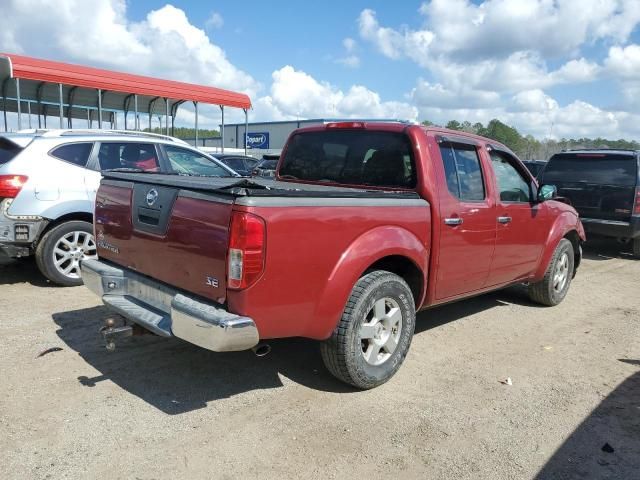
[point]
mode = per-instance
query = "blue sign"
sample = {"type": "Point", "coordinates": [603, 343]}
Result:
{"type": "Point", "coordinates": [258, 140]}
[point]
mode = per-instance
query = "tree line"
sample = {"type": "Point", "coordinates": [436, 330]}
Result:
{"type": "Point", "coordinates": [529, 148]}
{"type": "Point", "coordinates": [186, 133]}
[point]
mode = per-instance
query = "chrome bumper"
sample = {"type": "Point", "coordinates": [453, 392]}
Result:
{"type": "Point", "coordinates": [167, 312]}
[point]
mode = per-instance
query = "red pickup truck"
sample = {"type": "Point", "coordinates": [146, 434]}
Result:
{"type": "Point", "coordinates": [364, 224]}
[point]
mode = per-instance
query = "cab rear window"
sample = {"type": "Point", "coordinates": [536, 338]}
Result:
{"type": "Point", "coordinates": [601, 169]}
{"type": "Point", "coordinates": [350, 157]}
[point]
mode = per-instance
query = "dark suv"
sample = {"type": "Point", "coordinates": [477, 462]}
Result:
{"type": "Point", "coordinates": [604, 187]}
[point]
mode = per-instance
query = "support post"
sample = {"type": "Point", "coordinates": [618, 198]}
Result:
{"type": "Point", "coordinates": [222, 130]}
{"type": "Point", "coordinates": [195, 104]}
{"type": "Point", "coordinates": [61, 105]}
{"type": "Point", "coordinates": [19, 106]}
{"type": "Point", "coordinates": [135, 107]}
{"type": "Point", "coordinates": [99, 108]}
{"type": "Point", "coordinates": [166, 117]}
{"type": "Point", "coordinates": [88, 118]}
{"type": "Point", "coordinates": [246, 129]}
{"type": "Point", "coordinates": [29, 112]}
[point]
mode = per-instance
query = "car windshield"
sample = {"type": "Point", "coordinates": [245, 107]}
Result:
{"type": "Point", "coordinates": [351, 157]}
{"type": "Point", "coordinates": [269, 164]}
{"type": "Point", "coordinates": [188, 162]}
{"type": "Point", "coordinates": [601, 169]}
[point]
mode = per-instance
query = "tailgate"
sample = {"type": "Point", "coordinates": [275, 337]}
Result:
{"type": "Point", "coordinates": [174, 235]}
{"type": "Point", "coordinates": [607, 202]}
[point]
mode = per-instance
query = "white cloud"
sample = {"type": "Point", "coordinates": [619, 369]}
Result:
{"type": "Point", "coordinates": [296, 94]}
{"type": "Point", "coordinates": [215, 20]}
{"type": "Point", "coordinates": [395, 44]}
{"type": "Point", "coordinates": [623, 65]}
{"type": "Point", "coordinates": [499, 28]}
{"type": "Point", "coordinates": [165, 44]}
{"type": "Point", "coordinates": [350, 60]}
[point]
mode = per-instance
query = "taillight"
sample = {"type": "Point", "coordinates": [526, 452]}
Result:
{"type": "Point", "coordinates": [347, 125]}
{"type": "Point", "coordinates": [245, 262]}
{"type": "Point", "coordinates": [10, 185]}
{"type": "Point", "coordinates": [636, 208]}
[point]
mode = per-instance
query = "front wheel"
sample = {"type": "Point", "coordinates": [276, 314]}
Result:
{"type": "Point", "coordinates": [552, 289]}
{"type": "Point", "coordinates": [62, 248]}
{"type": "Point", "coordinates": [374, 334]}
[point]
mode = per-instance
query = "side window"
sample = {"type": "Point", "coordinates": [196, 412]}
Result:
{"type": "Point", "coordinates": [463, 172]}
{"type": "Point", "coordinates": [139, 156]}
{"type": "Point", "coordinates": [512, 185]}
{"type": "Point", "coordinates": [76, 153]}
{"type": "Point", "coordinates": [189, 162]}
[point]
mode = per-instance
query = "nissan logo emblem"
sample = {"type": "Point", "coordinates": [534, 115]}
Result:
{"type": "Point", "coordinates": [152, 196]}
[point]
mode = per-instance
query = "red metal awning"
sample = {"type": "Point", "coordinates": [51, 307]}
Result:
{"type": "Point", "coordinates": [28, 68]}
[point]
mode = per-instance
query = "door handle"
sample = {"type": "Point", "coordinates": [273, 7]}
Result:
{"type": "Point", "coordinates": [453, 221]}
{"type": "Point", "coordinates": [504, 219]}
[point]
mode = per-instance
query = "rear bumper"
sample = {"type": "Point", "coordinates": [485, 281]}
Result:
{"type": "Point", "coordinates": [167, 312]}
{"type": "Point", "coordinates": [18, 234]}
{"type": "Point", "coordinates": [612, 228]}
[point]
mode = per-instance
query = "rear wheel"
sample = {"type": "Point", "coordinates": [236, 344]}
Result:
{"type": "Point", "coordinates": [375, 331]}
{"type": "Point", "coordinates": [61, 249]}
{"type": "Point", "coordinates": [636, 247]}
{"type": "Point", "coordinates": [552, 289]}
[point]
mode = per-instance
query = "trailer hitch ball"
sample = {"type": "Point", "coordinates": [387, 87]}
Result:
{"type": "Point", "coordinates": [110, 332]}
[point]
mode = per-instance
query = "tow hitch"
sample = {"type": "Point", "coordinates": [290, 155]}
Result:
{"type": "Point", "coordinates": [110, 332]}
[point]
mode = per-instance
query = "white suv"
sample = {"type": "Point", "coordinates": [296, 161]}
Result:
{"type": "Point", "coordinates": [48, 185]}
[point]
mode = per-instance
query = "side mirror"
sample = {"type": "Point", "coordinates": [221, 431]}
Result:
{"type": "Point", "coordinates": [547, 192]}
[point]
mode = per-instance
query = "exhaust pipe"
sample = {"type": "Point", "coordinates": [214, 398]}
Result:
{"type": "Point", "coordinates": [261, 349]}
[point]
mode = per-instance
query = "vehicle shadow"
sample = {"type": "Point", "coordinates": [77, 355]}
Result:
{"type": "Point", "coordinates": [23, 270]}
{"type": "Point", "coordinates": [439, 316]}
{"type": "Point", "coordinates": [601, 248]}
{"type": "Point", "coordinates": [177, 377]}
{"type": "Point", "coordinates": [607, 443]}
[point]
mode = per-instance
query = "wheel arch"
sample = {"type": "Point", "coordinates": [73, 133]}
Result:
{"type": "Point", "coordinates": [69, 217]}
{"type": "Point", "coordinates": [390, 248]}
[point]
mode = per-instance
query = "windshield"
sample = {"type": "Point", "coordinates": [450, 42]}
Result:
{"type": "Point", "coordinates": [187, 162]}
{"type": "Point", "coordinates": [268, 164]}
{"type": "Point", "coordinates": [351, 157]}
{"type": "Point", "coordinates": [8, 150]}
{"type": "Point", "coordinates": [601, 169]}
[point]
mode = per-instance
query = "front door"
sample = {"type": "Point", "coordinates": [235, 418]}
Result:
{"type": "Point", "coordinates": [467, 235]}
{"type": "Point", "coordinates": [521, 222]}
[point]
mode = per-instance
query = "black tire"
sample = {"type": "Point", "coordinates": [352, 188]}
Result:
{"type": "Point", "coordinates": [343, 352]}
{"type": "Point", "coordinates": [45, 257]}
{"type": "Point", "coordinates": [636, 247]}
{"type": "Point", "coordinates": [546, 292]}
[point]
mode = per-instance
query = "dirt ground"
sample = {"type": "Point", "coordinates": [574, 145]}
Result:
{"type": "Point", "coordinates": [166, 409]}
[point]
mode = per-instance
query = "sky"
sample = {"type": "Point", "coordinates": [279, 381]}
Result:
{"type": "Point", "coordinates": [551, 68]}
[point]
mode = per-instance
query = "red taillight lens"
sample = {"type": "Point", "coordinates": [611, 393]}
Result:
{"type": "Point", "coordinates": [10, 185]}
{"type": "Point", "coordinates": [636, 208]}
{"type": "Point", "coordinates": [245, 262]}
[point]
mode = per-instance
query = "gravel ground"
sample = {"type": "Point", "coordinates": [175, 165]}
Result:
{"type": "Point", "coordinates": [164, 409]}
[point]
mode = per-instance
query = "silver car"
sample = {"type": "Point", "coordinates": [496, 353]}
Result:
{"type": "Point", "coordinates": [48, 185]}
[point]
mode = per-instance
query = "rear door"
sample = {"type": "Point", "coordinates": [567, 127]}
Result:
{"type": "Point", "coordinates": [174, 235]}
{"type": "Point", "coordinates": [522, 224]}
{"type": "Point", "coordinates": [599, 185]}
{"type": "Point", "coordinates": [467, 238]}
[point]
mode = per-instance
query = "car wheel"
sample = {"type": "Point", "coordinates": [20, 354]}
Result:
{"type": "Point", "coordinates": [552, 289]}
{"type": "Point", "coordinates": [374, 334]}
{"type": "Point", "coordinates": [61, 249]}
{"type": "Point", "coordinates": [636, 247]}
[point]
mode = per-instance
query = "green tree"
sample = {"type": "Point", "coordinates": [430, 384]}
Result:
{"type": "Point", "coordinates": [454, 125]}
